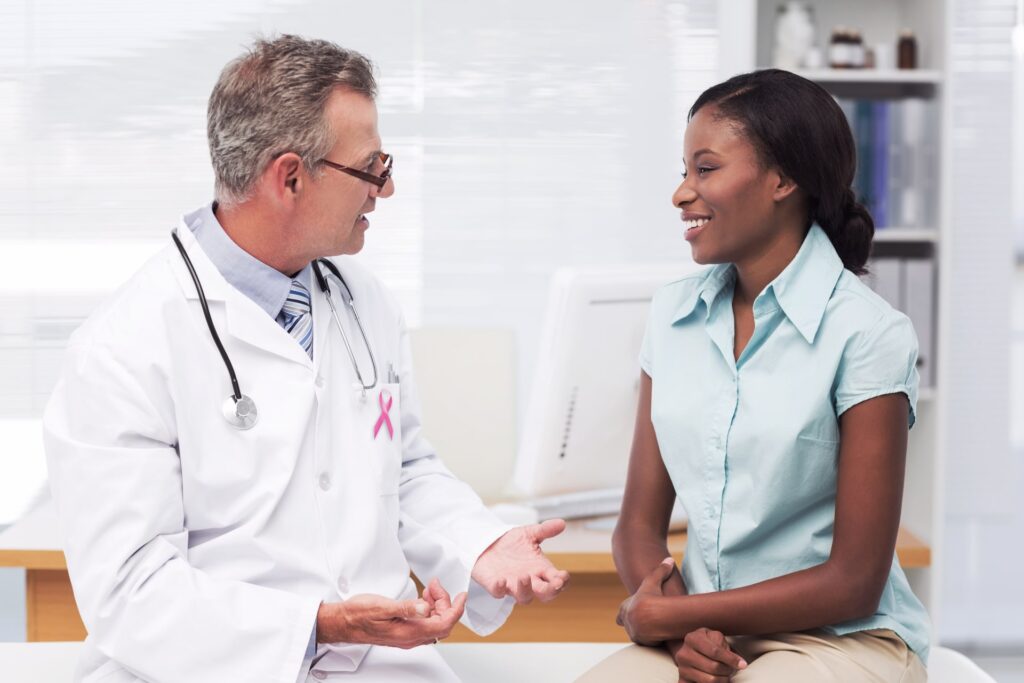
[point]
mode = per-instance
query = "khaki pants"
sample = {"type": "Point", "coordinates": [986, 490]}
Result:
{"type": "Point", "coordinates": [877, 656]}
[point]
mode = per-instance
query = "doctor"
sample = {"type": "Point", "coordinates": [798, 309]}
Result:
{"type": "Point", "coordinates": [241, 476]}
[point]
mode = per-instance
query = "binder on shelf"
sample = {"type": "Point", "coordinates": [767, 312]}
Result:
{"type": "Point", "coordinates": [880, 153]}
{"type": "Point", "coordinates": [896, 176]}
{"type": "Point", "coordinates": [887, 280]}
{"type": "Point", "coordinates": [862, 131]}
{"type": "Point", "coordinates": [908, 284]}
{"type": "Point", "coordinates": [919, 305]}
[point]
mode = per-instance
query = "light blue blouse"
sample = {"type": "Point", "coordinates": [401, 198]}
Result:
{"type": "Point", "coordinates": [752, 446]}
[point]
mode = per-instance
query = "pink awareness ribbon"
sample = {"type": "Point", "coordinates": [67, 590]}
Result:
{"type": "Point", "coordinates": [384, 419]}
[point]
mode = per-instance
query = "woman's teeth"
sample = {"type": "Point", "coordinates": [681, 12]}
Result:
{"type": "Point", "coordinates": [696, 223]}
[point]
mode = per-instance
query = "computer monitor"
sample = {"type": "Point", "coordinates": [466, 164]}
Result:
{"type": "Point", "coordinates": [579, 420]}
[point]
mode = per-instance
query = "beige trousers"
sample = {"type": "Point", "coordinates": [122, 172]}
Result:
{"type": "Point", "coordinates": [877, 656]}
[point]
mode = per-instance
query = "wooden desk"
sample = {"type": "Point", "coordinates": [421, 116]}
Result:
{"type": "Point", "coordinates": [585, 612]}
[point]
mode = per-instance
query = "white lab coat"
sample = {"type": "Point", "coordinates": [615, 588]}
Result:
{"type": "Point", "coordinates": [199, 552]}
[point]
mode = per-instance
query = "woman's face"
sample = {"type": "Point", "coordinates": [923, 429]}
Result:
{"type": "Point", "coordinates": [727, 198]}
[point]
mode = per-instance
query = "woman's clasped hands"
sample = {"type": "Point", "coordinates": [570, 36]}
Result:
{"type": "Point", "coordinates": [702, 656]}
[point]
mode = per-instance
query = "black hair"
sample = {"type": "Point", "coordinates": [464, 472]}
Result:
{"type": "Point", "coordinates": [797, 127]}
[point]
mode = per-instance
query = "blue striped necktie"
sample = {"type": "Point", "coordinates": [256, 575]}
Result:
{"type": "Point", "coordinates": [296, 316]}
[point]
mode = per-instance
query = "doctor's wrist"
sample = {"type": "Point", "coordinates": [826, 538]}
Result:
{"type": "Point", "coordinates": [331, 623]}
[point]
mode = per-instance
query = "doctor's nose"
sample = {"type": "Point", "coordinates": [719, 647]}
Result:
{"type": "Point", "coordinates": [384, 192]}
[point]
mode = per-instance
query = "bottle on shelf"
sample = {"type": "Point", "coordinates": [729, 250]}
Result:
{"type": "Point", "coordinates": [906, 50]}
{"type": "Point", "coordinates": [857, 55]}
{"type": "Point", "coordinates": [839, 48]}
{"type": "Point", "coordinates": [794, 35]}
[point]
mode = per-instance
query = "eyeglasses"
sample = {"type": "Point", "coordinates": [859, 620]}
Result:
{"type": "Point", "coordinates": [379, 180]}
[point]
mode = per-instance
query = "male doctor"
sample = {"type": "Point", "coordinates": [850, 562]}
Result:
{"type": "Point", "coordinates": [266, 531]}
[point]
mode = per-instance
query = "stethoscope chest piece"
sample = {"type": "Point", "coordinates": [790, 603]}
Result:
{"type": "Point", "coordinates": [241, 413]}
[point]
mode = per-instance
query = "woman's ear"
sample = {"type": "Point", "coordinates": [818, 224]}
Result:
{"type": "Point", "coordinates": [784, 186]}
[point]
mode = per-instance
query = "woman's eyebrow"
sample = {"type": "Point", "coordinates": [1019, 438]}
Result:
{"type": "Point", "coordinates": [699, 152]}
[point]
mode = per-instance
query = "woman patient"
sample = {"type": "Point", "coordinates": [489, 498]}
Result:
{"type": "Point", "coordinates": [776, 395]}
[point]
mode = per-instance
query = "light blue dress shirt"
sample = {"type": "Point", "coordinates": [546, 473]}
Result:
{"type": "Point", "coordinates": [752, 445]}
{"type": "Point", "coordinates": [266, 286]}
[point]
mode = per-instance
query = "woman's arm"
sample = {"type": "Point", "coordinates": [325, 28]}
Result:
{"type": "Point", "coordinates": [640, 540]}
{"type": "Point", "coordinates": [849, 584]}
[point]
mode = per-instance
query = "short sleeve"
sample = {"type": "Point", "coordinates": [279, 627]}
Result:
{"type": "Point", "coordinates": [646, 363]}
{"type": "Point", "coordinates": [883, 361]}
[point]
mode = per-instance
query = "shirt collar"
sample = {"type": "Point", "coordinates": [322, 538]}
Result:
{"type": "Point", "coordinates": [266, 286]}
{"type": "Point", "coordinates": [713, 282]}
{"type": "Point", "coordinates": [802, 290]}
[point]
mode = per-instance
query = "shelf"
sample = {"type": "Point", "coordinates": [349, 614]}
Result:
{"type": "Point", "coordinates": [890, 76]}
{"type": "Point", "coordinates": [914, 235]}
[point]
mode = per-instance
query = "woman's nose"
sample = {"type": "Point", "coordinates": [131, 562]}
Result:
{"type": "Point", "coordinates": [683, 195]}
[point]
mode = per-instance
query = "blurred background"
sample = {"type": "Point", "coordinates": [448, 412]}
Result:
{"type": "Point", "coordinates": [533, 134]}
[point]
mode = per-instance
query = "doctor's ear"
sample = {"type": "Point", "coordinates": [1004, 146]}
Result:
{"type": "Point", "coordinates": [284, 175]}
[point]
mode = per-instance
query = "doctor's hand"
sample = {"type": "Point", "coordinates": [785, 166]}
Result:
{"type": "Point", "coordinates": [376, 620]}
{"type": "Point", "coordinates": [635, 613]}
{"type": "Point", "coordinates": [514, 564]}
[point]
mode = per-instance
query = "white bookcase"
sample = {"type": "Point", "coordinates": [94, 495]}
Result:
{"type": "Point", "coordinates": [746, 45]}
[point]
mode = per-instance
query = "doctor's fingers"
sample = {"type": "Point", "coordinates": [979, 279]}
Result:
{"type": "Point", "coordinates": [438, 595]}
{"type": "Point", "coordinates": [407, 609]}
{"type": "Point", "coordinates": [544, 590]}
{"type": "Point", "coordinates": [521, 589]}
{"type": "Point", "coordinates": [559, 578]}
{"type": "Point", "coordinates": [547, 529]}
{"type": "Point", "coordinates": [438, 625]}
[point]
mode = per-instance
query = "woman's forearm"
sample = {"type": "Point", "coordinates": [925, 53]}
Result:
{"type": "Point", "coordinates": [807, 599]}
{"type": "Point", "coordinates": [636, 552]}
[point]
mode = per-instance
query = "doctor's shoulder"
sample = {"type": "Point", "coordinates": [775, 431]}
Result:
{"type": "Point", "coordinates": [133, 309]}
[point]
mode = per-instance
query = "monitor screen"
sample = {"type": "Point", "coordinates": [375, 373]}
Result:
{"type": "Point", "coordinates": [579, 420]}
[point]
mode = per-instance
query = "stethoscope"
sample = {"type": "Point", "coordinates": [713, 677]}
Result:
{"type": "Point", "coordinates": [240, 410]}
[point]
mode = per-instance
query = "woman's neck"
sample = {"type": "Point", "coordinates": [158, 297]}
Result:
{"type": "Point", "coordinates": [754, 274]}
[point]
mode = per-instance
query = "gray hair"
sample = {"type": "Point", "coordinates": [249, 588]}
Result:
{"type": "Point", "coordinates": [271, 101]}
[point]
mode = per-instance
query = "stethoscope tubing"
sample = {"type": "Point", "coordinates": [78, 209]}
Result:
{"type": "Point", "coordinates": [244, 415]}
{"type": "Point", "coordinates": [236, 391]}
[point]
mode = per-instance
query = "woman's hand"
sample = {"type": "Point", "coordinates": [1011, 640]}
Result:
{"type": "Point", "coordinates": [705, 657]}
{"type": "Point", "coordinates": [637, 611]}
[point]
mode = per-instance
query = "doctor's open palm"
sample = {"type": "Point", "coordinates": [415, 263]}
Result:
{"type": "Point", "coordinates": [376, 620]}
{"type": "Point", "coordinates": [515, 566]}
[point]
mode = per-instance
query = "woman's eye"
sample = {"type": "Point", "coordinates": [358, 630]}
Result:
{"type": "Point", "coordinates": [701, 170]}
